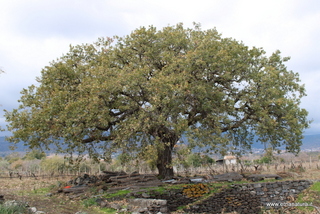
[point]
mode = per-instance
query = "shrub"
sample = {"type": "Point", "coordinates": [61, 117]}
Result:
{"type": "Point", "coordinates": [13, 157]}
{"type": "Point", "coordinates": [17, 164]}
{"type": "Point", "coordinates": [13, 208]}
{"type": "Point", "coordinates": [53, 164]}
{"type": "Point", "coordinates": [34, 154]}
{"type": "Point", "coordinates": [4, 165]}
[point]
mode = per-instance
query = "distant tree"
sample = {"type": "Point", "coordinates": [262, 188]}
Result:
{"type": "Point", "coordinates": [12, 157]}
{"type": "Point", "coordinates": [268, 157]}
{"type": "Point", "coordinates": [53, 164]}
{"type": "Point", "coordinates": [35, 154]}
{"type": "Point", "coordinates": [154, 86]}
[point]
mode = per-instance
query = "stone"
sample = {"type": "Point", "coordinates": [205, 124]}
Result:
{"type": "Point", "coordinates": [231, 176]}
{"type": "Point", "coordinates": [115, 206]}
{"type": "Point", "coordinates": [257, 185]}
{"type": "Point", "coordinates": [145, 195]}
{"type": "Point", "coordinates": [163, 210]}
{"type": "Point", "coordinates": [102, 202]}
{"type": "Point", "coordinates": [33, 209]}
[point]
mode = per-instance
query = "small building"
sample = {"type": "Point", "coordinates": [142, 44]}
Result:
{"type": "Point", "coordinates": [228, 160]}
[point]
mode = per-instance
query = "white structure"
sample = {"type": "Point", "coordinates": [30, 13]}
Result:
{"type": "Point", "coordinates": [230, 159]}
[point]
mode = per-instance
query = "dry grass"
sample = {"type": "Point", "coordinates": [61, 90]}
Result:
{"type": "Point", "coordinates": [34, 192]}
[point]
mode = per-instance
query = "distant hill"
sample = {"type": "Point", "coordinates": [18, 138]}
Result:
{"type": "Point", "coordinates": [309, 142]}
{"type": "Point", "coordinates": [4, 146]}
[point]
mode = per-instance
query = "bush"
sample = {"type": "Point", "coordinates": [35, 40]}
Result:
{"type": "Point", "coordinates": [17, 164]}
{"type": "Point", "coordinates": [263, 160]}
{"type": "Point", "coordinates": [197, 160]}
{"type": "Point", "coordinates": [34, 154]}
{"type": "Point", "coordinates": [53, 164]}
{"type": "Point", "coordinates": [13, 157]}
{"type": "Point", "coordinates": [4, 165]}
{"type": "Point", "coordinates": [13, 208]}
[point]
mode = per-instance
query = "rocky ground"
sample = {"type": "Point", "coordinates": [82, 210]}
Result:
{"type": "Point", "coordinates": [182, 197]}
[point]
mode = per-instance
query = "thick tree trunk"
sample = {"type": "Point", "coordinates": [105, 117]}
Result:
{"type": "Point", "coordinates": [164, 162]}
{"type": "Point", "coordinates": [168, 138]}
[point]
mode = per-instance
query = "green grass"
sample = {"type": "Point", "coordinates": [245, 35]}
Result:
{"type": "Point", "coordinates": [311, 195]}
{"type": "Point", "coordinates": [89, 202]}
{"type": "Point", "coordinates": [108, 210]}
{"type": "Point", "coordinates": [14, 209]}
{"type": "Point", "coordinates": [315, 187]}
{"type": "Point", "coordinates": [41, 191]}
{"type": "Point", "coordinates": [120, 193]}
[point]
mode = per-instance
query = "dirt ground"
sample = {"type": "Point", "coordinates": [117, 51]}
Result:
{"type": "Point", "coordinates": [34, 192]}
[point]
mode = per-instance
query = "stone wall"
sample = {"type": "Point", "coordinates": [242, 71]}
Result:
{"type": "Point", "coordinates": [250, 197]}
{"type": "Point", "coordinates": [141, 205]}
{"type": "Point", "coordinates": [243, 198]}
{"type": "Point", "coordinates": [274, 192]}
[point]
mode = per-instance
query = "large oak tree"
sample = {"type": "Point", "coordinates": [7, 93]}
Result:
{"type": "Point", "coordinates": [150, 88]}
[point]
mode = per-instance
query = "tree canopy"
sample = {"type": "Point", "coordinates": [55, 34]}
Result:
{"type": "Point", "coordinates": [152, 87]}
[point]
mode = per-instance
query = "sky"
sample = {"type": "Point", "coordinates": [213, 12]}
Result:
{"type": "Point", "coordinates": [35, 32]}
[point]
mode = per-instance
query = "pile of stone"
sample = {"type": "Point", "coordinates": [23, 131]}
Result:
{"type": "Point", "coordinates": [110, 182]}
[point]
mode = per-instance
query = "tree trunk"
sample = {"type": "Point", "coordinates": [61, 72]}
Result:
{"type": "Point", "coordinates": [168, 138]}
{"type": "Point", "coordinates": [164, 162]}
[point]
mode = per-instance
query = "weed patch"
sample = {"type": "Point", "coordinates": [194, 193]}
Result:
{"type": "Point", "coordinates": [12, 209]}
{"type": "Point", "coordinates": [310, 196]}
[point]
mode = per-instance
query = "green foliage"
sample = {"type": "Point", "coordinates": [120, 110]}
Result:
{"type": "Point", "coordinates": [268, 157]}
{"type": "Point", "coordinates": [197, 160]}
{"type": "Point", "coordinates": [185, 157]}
{"type": "Point", "coordinates": [264, 160]}
{"type": "Point", "coordinates": [90, 202]}
{"type": "Point", "coordinates": [4, 165]}
{"type": "Point", "coordinates": [41, 191]}
{"type": "Point", "coordinates": [124, 158]}
{"type": "Point", "coordinates": [53, 164]}
{"type": "Point", "coordinates": [315, 187]}
{"type": "Point", "coordinates": [119, 193]}
{"type": "Point", "coordinates": [154, 85]}
{"type": "Point", "coordinates": [309, 196]}
{"type": "Point", "coordinates": [12, 209]}
{"type": "Point", "coordinates": [109, 210]}
{"type": "Point", "coordinates": [14, 156]}
{"type": "Point", "coordinates": [17, 164]}
{"type": "Point", "coordinates": [149, 155]}
{"type": "Point", "coordinates": [34, 154]}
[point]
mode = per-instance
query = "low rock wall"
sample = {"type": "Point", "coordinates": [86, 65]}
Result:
{"type": "Point", "coordinates": [251, 197]}
{"type": "Point", "coordinates": [243, 198]}
{"type": "Point", "coordinates": [274, 192]}
{"type": "Point", "coordinates": [148, 205]}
